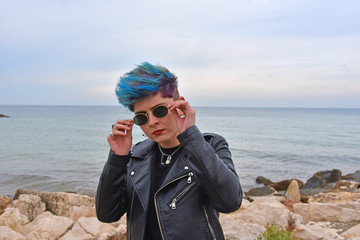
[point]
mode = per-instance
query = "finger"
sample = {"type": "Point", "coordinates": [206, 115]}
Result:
{"type": "Point", "coordinates": [175, 114]}
{"type": "Point", "coordinates": [130, 127]}
{"type": "Point", "coordinates": [123, 125]}
{"type": "Point", "coordinates": [123, 122]}
{"type": "Point", "coordinates": [180, 105]}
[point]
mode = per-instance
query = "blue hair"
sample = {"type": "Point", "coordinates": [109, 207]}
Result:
{"type": "Point", "coordinates": [145, 80]}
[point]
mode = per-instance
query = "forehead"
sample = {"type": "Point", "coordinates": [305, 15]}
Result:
{"type": "Point", "coordinates": [150, 102]}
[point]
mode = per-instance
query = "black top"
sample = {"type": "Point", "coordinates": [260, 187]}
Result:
{"type": "Point", "coordinates": [158, 173]}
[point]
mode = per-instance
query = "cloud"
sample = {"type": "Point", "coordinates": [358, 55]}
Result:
{"type": "Point", "coordinates": [219, 49]}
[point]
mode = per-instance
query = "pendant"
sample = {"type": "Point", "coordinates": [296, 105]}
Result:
{"type": "Point", "coordinates": [168, 160]}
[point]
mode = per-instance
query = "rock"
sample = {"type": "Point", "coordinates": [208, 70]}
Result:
{"type": "Point", "coordinates": [352, 233]}
{"type": "Point", "coordinates": [284, 185]}
{"type": "Point", "coordinates": [7, 233]}
{"type": "Point", "coordinates": [47, 226]}
{"type": "Point", "coordinates": [236, 230]}
{"type": "Point", "coordinates": [293, 192]}
{"type": "Point", "coordinates": [60, 203]}
{"type": "Point", "coordinates": [355, 175]}
{"type": "Point", "coordinates": [322, 178]}
{"type": "Point", "coordinates": [82, 211]}
{"type": "Point", "coordinates": [335, 197]}
{"type": "Point", "coordinates": [29, 205]}
{"type": "Point", "coordinates": [12, 218]}
{"type": "Point", "coordinates": [245, 204]}
{"type": "Point", "coordinates": [266, 210]}
{"type": "Point", "coordinates": [95, 227]}
{"type": "Point", "coordinates": [344, 185]}
{"type": "Point", "coordinates": [263, 180]}
{"type": "Point", "coordinates": [77, 232]}
{"type": "Point", "coordinates": [328, 212]}
{"type": "Point", "coordinates": [4, 203]}
{"type": "Point", "coordinates": [315, 231]}
{"type": "Point", "coordinates": [311, 191]}
{"type": "Point", "coordinates": [3, 115]}
{"type": "Point", "coordinates": [118, 234]}
{"type": "Point", "coordinates": [335, 176]}
{"type": "Point", "coordinates": [261, 191]}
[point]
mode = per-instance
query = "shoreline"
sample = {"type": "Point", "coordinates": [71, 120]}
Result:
{"type": "Point", "coordinates": [327, 205]}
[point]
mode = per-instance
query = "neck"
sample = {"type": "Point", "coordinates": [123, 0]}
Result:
{"type": "Point", "coordinates": [170, 144]}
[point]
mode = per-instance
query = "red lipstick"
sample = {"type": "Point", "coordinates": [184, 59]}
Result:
{"type": "Point", "coordinates": [158, 132]}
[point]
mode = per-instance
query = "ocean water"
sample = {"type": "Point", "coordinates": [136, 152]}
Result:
{"type": "Point", "coordinates": [64, 148]}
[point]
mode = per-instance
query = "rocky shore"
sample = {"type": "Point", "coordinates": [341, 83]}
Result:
{"type": "Point", "coordinates": [327, 206]}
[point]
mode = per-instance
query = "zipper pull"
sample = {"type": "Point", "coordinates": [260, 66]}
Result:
{"type": "Point", "coordinates": [190, 174]}
{"type": "Point", "coordinates": [173, 204]}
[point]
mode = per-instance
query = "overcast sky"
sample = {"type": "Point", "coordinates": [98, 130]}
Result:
{"type": "Point", "coordinates": [253, 53]}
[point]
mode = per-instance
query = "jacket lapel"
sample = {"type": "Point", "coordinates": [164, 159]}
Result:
{"type": "Point", "coordinates": [139, 170]}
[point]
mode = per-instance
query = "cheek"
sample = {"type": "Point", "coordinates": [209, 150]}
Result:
{"type": "Point", "coordinates": [145, 130]}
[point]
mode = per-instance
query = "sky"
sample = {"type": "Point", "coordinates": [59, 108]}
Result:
{"type": "Point", "coordinates": [236, 53]}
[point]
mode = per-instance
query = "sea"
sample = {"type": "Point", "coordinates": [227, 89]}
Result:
{"type": "Point", "coordinates": [64, 148]}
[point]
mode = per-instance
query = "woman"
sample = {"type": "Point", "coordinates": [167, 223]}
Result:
{"type": "Point", "coordinates": [173, 184]}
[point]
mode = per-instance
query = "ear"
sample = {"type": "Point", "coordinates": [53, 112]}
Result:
{"type": "Point", "coordinates": [181, 98]}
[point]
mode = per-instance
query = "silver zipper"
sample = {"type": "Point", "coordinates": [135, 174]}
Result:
{"type": "Point", "coordinates": [132, 204]}
{"type": "Point", "coordinates": [182, 193]}
{"type": "Point", "coordinates": [190, 174]}
{"type": "Point", "coordinates": [208, 222]}
{"type": "Point", "coordinates": [155, 202]}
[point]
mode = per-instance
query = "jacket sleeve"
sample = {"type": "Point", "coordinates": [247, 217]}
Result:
{"type": "Point", "coordinates": [110, 200]}
{"type": "Point", "coordinates": [212, 164]}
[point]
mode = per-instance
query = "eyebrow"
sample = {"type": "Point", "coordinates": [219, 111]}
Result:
{"type": "Point", "coordinates": [159, 104]}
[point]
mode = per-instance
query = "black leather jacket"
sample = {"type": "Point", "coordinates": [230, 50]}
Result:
{"type": "Point", "coordinates": [201, 182]}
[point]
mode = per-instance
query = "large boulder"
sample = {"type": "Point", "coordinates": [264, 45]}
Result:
{"type": "Point", "coordinates": [4, 203]}
{"type": "Point", "coordinates": [268, 210]}
{"type": "Point", "coordinates": [322, 178]}
{"type": "Point", "coordinates": [328, 212]}
{"type": "Point", "coordinates": [47, 226]}
{"type": "Point", "coordinates": [82, 211]}
{"type": "Point", "coordinates": [7, 234]}
{"type": "Point", "coordinates": [314, 230]}
{"type": "Point", "coordinates": [77, 232]}
{"type": "Point", "coordinates": [94, 227]}
{"type": "Point", "coordinates": [12, 218]}
{"type": "Point", "coordinates": [261, 191]}
{"type": "Point", "coordinates": [352, 233]}
{"type": "Point", "coordinates": [118, 234]}
{"type": "Point", "coordinates": [293, 192]}
{"type": "Point", "coordinates": [60, 203]}
{"type": "Point", "coordinates": [238, 230]}
{"type": "Point", "coordinates": [355, 175]}
{"type": "Point", "coordinates": [335, 197]}
{"type": "Point", "coordinates": [263, 180]}
{"type": "Point", "coordinates": [284, 184]}
{"type": "Point", "coordinates": [29, 205]}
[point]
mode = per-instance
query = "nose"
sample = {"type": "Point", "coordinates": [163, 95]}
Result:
{"type": "Point", "coordinates": [152, 119]}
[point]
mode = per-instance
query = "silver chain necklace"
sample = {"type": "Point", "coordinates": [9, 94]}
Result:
{"type": "Point", "coordinates": [168, 159]}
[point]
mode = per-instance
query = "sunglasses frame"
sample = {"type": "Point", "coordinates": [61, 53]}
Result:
{"type": "Point", "coordinates": [147, 115]}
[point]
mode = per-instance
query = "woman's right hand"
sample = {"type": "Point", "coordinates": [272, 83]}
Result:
{"type": "Point", "coordinates": [120, 138]}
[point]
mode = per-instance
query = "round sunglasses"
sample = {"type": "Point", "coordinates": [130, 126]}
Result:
{"type": "Point", "coordinates": [158, 112]}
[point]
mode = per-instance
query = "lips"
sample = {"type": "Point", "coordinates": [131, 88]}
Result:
{"type": "Point", "coordinates": [158, 132]}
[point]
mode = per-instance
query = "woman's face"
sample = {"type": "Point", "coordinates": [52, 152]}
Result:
{"type": "Point", "coordinates": [161, 130]}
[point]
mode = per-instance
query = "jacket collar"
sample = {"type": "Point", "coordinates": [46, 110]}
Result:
{"type": "Point", "coordinates": [142, 149]}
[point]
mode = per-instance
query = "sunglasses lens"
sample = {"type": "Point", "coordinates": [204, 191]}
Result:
{"type": "Point", "coordinates": [140, 119]}
{"type": "Point", "coordinates": [160, 111]}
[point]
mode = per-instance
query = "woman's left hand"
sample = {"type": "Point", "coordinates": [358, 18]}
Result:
{"type": "Point", "coordinates": [183, 113]}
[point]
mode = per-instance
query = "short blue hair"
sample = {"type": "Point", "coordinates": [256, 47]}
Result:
{"type": "Point", "coordinates": [145, 80]}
